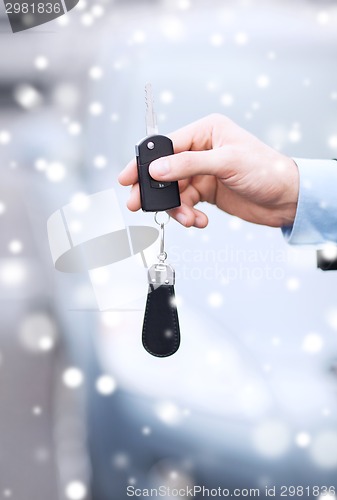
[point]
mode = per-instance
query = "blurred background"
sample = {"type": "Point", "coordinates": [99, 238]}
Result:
{"type": "Point", "coordinates": [249, 400]}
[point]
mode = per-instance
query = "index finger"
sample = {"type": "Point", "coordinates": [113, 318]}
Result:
{"type": "Point", "coordinates": [196, 136]}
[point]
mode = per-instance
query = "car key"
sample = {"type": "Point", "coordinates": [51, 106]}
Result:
{"type": "Point", "coordinates": [155, 196]}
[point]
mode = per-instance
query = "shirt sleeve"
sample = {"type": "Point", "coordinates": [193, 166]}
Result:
{"type": "Point", "coordinates": [316, 215]}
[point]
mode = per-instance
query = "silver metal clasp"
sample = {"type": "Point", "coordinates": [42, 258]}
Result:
{"type": "Point", "coordinates": [161, 274]}
{"type": "Point", "coordinates": [162, 254]}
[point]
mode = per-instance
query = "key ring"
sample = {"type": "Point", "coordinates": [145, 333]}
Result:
{"type": "Point", "coordinates": [160, 223]}
{"type": "Point", "coordinates": [162, 255]}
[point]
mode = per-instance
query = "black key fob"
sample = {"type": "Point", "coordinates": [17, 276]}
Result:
{"type": "Point", "coordinates": [155, 196]}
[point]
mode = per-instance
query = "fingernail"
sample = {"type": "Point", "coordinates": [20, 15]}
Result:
{"type": "Point", "coordinates": [160, 167]}
{"type": "Point", "coordinates": [181, 218]}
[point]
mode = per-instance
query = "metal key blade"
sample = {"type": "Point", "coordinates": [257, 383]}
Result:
{"type": "Point", "coordinates": [151, 119]}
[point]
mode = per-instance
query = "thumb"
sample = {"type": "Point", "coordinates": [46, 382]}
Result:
{"type": "Point", "coordinates": [188, 163]}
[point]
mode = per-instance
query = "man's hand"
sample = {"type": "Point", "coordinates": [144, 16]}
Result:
{"type": "Point", "coordinates": [217, 161]}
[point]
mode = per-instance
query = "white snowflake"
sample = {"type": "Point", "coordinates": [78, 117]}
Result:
{"type": "Point", "coordinates": [15, 246]}
{"type": "Point", "coordinates": [41, 63]}
{"type": "Point", "coordinates": [139, 36]}
{"type": "Point", "coordinates": [276, 341]}
{"type": "Point", "coordinates": [100, 276]}
{"type": "Point", "coordinates": [105, 385]}
{"type": "Point", "coordinates": [74, 128]}
{"type": "Point", "coordinates": [37, 410]}
{"type": "Point", "coordinates": [172, 28]}
{"type": "Point", "coordinates": [75, 226]}
{"type": "Point", "coordinates": [215, 299]}
{"type": "Point", "coordinates": [76, 490]}
{"type": "Point", "coordinates": [184, 4]}
{"type": "Point", "coordinates": [100, 161]}
{"type": "Point", "coordinates": [146, 430]}
{"type": "Point", "coordinates": [332, 141]}
{"type": "Point", "coordinates": [97, 10]}
{"type": "Point", "coordinates": [263, 81]}
{"type": "Point", "coordinates": [111, 319]}
{"type": "Point", "coordinates": [302, 439]}
{"type": "Point", "coordinates": [56, 172]}
{"type": "Point", "coordinates": [312, 343]}
{"type": "Point", "coordinates": [87, 19]}
{"type": "Point", "coordinates": [177, 301]}
{"type": "Point", "coordinates": [40, 164]}
{"type": "Point", "coordinates": [241, 38]}
{"type": "Point", "coordinates": [13, 273]}
{"type": "Point", "coordinates": [166, 97]}
{"type": "Point", "coordinates": [293, 284]}
{"type": "Point", "coordinates": [227, 100]}
{"type": "Point", "coordinates": [73, 378]}
{"type": "Point", "coordinates": [323, 17]}
{"type": "Point", "coordinates": [5, 137]}
{"type": "Point", "coordinates": [169, 413]}
{"type": "Point", "coordinates": [216, 40]}
{"type": "Point", "coordinates": [295, 135]}
{"type": "Point", "coordinates": [95, 108]}
{"type": "Point", "coordinates": [120, 460]}
{"type": "Point", "coordinates": [96, 72]}
{"type": "Point", "coordinates": [80, 202]}
{"type": "Point", "coordinates": [46, 343]}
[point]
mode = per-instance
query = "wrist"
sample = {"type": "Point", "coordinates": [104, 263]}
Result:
{"type": "Point", "coordinates": [289, 200]}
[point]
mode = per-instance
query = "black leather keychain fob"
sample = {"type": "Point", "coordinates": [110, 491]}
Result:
{"type": "Point", "coordinates": [161, 332]}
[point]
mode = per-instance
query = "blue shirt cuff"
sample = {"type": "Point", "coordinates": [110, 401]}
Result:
{"type": "Point", "coordinates": [316, 215]}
